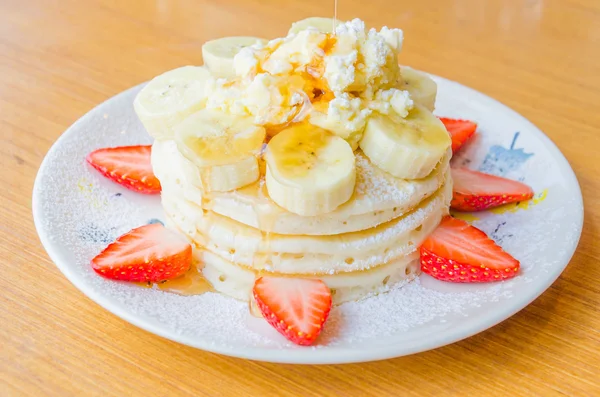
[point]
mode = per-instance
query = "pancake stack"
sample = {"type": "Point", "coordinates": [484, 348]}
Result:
{"type": "Point", "coordinates": [312, 156]}
{"type": "Point", "coordinates": [365, 246]}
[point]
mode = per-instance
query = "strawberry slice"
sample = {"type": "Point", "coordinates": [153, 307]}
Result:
{"type": "Point", "coordinates": [461, 253]}
{"type": "Point", "coordinates": [460, 131]}
{"type": "Point", "coordinates": [296, 307]}
{"type": "Point", "coordinates": [147, 253]}
{"type": "Point", "coordinates": [129, 166]}
{"type": "Point", "coordinates": [476, 191]}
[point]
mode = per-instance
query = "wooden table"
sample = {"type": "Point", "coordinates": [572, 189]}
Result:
{"type": "Point", "coordinates": [58, 59]}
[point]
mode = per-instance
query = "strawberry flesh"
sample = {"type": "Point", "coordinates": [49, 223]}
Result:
{"type": "Point", "coordinates": [476, 191]}
{"type": "Point", "coordinates": [460, 131]}
{"type": "Point", "coordinates": [461, 253]}
{"type": "Point", "coordinates": [148, 253]}
{"type": "Point", "coordinates": [129, 166]}
{"type": "Point", "coordinates": [295, 307]}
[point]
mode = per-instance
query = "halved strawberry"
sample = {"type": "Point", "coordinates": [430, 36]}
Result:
{"type": "Point", "coordinates": [460, 131]}
{"type": "Point", "coordinates": [129, 166]}
{"type": "Point", "coordinates": [461, 253]}
{"type": "Point", "coordinates": [296, 307]}
{"type": "Point", "coordinates": [147, 253]}
{"type": "Point", "coordinates": [476, 191]}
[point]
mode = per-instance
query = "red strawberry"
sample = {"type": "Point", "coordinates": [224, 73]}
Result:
{"type": "Point", "coordinates": [147, 253]}
{"type": "Point", "coordinates": [476, 191]}
{"type": "Point", "coordinates": [461, 253]}
{"type": "Point", "coordinates": [296, 307]}
{"type": "Point", "coordinates": [129, 166]}
{"type": "Point", "coordinates": [460, 131]}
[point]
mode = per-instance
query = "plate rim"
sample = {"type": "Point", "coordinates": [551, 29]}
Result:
{"type": "Point", "coordinates": [333, 354]}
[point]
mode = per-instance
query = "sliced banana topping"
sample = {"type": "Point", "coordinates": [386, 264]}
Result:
{"type": "Point", "coordinates": [224, 147]}
{"type": "Point", "coordinates": [218, 54]}
{"type": "Point", "coordinates": [325, 25]}
{"type": "Point", "coordinates": [407, 148]}
{"type": "Point", "coordinates": [421, 87]}
{"type": "Point", "coordinates": [169, 98]}
{"type": "Point", "coordinates": [309, 171]}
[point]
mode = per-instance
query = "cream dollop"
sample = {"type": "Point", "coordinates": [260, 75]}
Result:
{"type": "Point", "coordinates": [346, 76]}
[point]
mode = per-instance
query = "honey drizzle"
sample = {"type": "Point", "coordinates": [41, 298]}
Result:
{"type": "Point", "coordinates": [334, 16]}
{"type": "Point", "coordinates": [265, 219]}
{"type": "Point", "coordinates": [313, 75]}
{"type": "Point", "coordinates": [309, 79]}
{"type": "Point", "coordinates": [205, 177]}
{"type": "Point", "coordinates": [253, 307]}
{"type": "Point", "coordinates": [190, 283]}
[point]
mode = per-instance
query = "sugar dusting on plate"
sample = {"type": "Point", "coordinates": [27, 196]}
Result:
{"type": "Point", "coordinates": [82, 212]}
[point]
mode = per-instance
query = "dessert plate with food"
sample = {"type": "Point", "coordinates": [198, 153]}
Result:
{"type": "Point", "coordinates": [307, 199]}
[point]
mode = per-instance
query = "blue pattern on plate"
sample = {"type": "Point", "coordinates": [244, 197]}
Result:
{"type": "Point", "coordinates": [500, 160]}
{"type": "Point", "coordinates": [94, 234]}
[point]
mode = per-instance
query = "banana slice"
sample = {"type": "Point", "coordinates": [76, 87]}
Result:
{"type": "Point", "coordinates": [421, 87]}
{"type": "Point", "coordinates": [218, 54]}
{"type": "Point", "coordinates": [324, 25]}
{"type": "Point", "coordinates": [169, 98]}
{"type": "Point", "coordinates": [224, 148]}
{"type": "Point", "coordinates": [407, 148]}
{"type": "Point", "coordinates": [309, 170]}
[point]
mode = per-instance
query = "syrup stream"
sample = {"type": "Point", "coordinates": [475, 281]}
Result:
{"type": "Point", "coordinates": [334, 16]}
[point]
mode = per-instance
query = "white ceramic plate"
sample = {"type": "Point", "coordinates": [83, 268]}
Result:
{"type": "Point", "coordinates": [77, 213]}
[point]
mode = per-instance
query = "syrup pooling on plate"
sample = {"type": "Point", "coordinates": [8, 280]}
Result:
{"type": "Point", "coordinates": [191, 283]}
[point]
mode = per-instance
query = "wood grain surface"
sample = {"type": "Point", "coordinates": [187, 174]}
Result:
{"type": "Point", "coordinates": [58, 59]}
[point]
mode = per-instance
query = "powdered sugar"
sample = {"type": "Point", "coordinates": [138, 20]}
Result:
{"type": "Point", "coordinates": [373, 182]}
{"type": "Point", "coordinates": [405, 307]}
{"type": "Point", "coordinates": [77, 212]}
